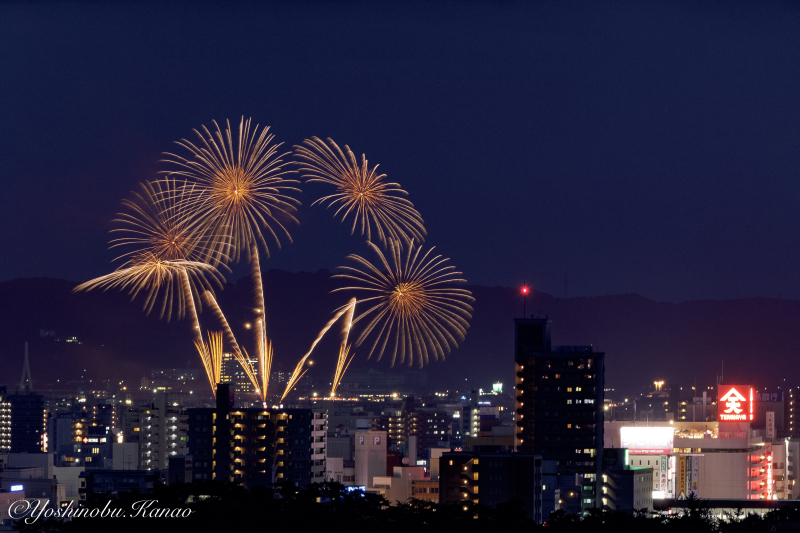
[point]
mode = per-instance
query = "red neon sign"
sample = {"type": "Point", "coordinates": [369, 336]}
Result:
{"type": "Point", "coordinates": [770, 477]}
{"type": "Point", "coordinates": [735, 403]}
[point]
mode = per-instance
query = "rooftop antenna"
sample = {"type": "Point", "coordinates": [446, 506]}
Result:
{"type": "Point", "coordinates": [26, 384]}
{"type": "Point", "coordinates": [525, 291]}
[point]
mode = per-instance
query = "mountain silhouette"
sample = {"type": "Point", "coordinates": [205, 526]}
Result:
{"type": "Point", "coordinates": [644, 340]}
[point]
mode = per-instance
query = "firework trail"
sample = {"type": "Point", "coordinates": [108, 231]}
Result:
{"type": "Point", "coordinates": [236, 189]}
{"type": "Point", "coordinates": [413, 303]}
{"type": "Point", "coordinates": [187, 294]}
{"type": "Point", "coordinates": [342, 363]}
{"type": "Point", "coordinates": [231, 340]}
{"type": "Point", "coordinates": [265, 366]}
{"type": "Point", "coordinates": [373, 202]}
{"type": "Point", "coordinates": [299, 370]}
{"type": "Point", "coordinates": [258, 290]}
{"type": "Point", "coordinates": [211, 354]}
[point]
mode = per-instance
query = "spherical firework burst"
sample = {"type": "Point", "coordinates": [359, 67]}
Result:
{"type": "Point", "coordinates": [156, 221]}
{"type": "Point", "coordinates": [413, 303]}
{"type": "Point", "coordinates": [168, 255]}
{"type": "Point", "coordinates": [361, 191]}
{"type": "Point", "coordinates": [237, 188]}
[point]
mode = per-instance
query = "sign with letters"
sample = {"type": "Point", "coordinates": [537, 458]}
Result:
{"type": "Point", "coordinates": [647, 440]}
{"type": "Point", "coordinates": [735, 403]}
{"type": "Point", "coordinates": [770, 424]}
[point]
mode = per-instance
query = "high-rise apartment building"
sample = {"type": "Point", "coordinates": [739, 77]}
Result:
{"type": "Point", "coordinates": [28, 422]}
{"type": "Point", "coordinates": [5, 421]}
{"type": "Point", "coordinates": [559, 406]}
{"type": "Point", "coordinates": [256, 446]}
{"type": "Point", "coordinates": [161, 429]}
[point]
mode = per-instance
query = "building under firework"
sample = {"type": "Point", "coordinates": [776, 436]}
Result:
{"type": "Point", "coordinates": [255, 446]}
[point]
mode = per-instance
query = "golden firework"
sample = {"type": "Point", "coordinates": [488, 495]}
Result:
{"type": "Point", "coordinates": [413, 303]}
{"type": "Point", "coordinates": [156, 221]}
{"type": "Point", "coordinates": [374, 202]}
{"type": "Point", "coordinates": [211, 354]}
{"type": "Point", "coordinates": [240, 355]}
{"type": "Point", "coordinates": [168, 256]}
{"type": "Point", "coordinates": [300, 369]}
{"type": "Point", "coordinates": [236, 190]}
{"type": "Point", "coordinates": [264, 365]}
{"type": "Point", "coordinates": [156, 278]}
{"type": "Point", "coordinates": [342, 363]}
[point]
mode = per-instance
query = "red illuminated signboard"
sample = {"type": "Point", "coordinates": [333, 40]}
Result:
{"type": "Point", "coordinates": [735, 403]}
{"type": "Point", "coordinates": [770, 476]}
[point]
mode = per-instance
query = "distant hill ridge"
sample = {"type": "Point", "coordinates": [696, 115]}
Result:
{"type": "Point", "coordinates": [758, 338]}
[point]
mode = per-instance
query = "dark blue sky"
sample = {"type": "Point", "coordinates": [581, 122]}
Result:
{"type": "Point", "coordinates": [648, 147]}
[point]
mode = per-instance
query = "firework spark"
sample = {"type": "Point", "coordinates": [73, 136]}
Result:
{"type": "Point", "coordinates": [211, 354]}
{"type": "Point", "coordinates": [413, 303]}
{"type": "Point", "coordinates": [360, 190]}
{"type": "Point", "coordinates": [300, 369]}
{"type": "Point", "coordinates": [238, 188]}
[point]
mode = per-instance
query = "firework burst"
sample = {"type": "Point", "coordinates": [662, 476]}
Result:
{"type": "Point", "coordinates": [413, 303]}
{"type": "Point", "coordinates": [237, 189]}
{"type": "Point", "coordinates": [377, 206]}
{"type": "Point", "coordinates": [165, 258]}
{"type": "Point", "coordinates": [156, 221]}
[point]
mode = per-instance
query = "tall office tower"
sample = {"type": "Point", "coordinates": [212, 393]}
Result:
{"type": "Point", "coordinates": [559, 406]}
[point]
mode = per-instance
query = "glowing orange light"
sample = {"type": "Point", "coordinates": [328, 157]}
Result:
{"type": "Point", "coordinates": [524, 290]}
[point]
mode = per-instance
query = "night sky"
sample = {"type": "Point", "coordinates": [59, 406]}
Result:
{"type": "Point", "coordinates": [586, 148]}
